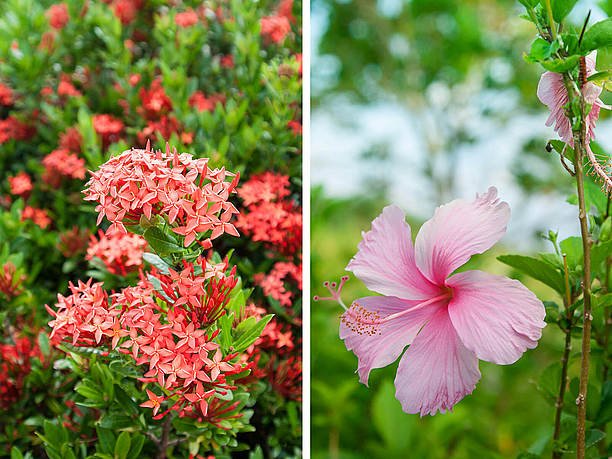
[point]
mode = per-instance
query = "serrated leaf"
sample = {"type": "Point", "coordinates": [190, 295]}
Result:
{"type": "Point", "coordinates": [537, 269]}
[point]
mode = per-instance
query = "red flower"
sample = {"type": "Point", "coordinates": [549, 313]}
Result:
{"type": "Point", "coordinates": [202, 103]}
{"type": "Point", "coordinates": [155, 102]}
{"type": "Point", "coordinates": [126, 10]}
{"type": "Point", "coordinates": [134, 79]}
{"type": "Point", "coordinates": [108, 127]}
{"type": "Point", "coordinates": [12, 128]}
{"type": "Point", "coordinates": [66, 88]}
{"type": "Point", "coordinates": [6, 95]}
{"type": "Point", "coordinates": [73, 241]}
{"type": "Point", "coordinates": [61, 163]}
{"type": "Point", "coordinates": [21, 184]}
{"type": "Point", "coordinates": [170, 184]}
{"type": "Point", "coordinates": [275, 28]}
{"type": "Point", "coordinates": [295, 126]}
{"type": "Point", "coordinates": [154, 402]}
{"type": "Point", "coordinates": [38, 216]}
{"type": "Point", "coordinates": [58, 15]}
{"type": "Point", "coordinates": [71, 140]}
{"type": "Point", "coordinates": [121, 253]}
{"type": "Point", "coordinates": [227, 61]}
{"type": "Point", "coordinates": [186, 19]}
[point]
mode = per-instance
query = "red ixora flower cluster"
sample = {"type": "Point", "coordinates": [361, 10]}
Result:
{"type": "Point", "coordinates": [156, 108]}
{"type": "Point", "coordinates": [58, 15]}
{"type": "Point", "coordinates": [277, 26]}
{"type": "Point", "coordinates": [38, 216]}
{"type": "Point", "coordinates": [147, 182]}
{"type": "Point", "coordinates": [121, 253]}
{"type": "Point", "coordinates": [61, 163]}
{"type": "Point", "coordinates": [21, 184]}
{"type": "Point", "coordinates": [108, 127]}
{"type": "Point", "coordinates": [269, 217]}
{"type": "Point", "coordinates": [180, 356]}
{"type": "Point", "coordinates": [14, 367]}
{"type": "Point", "coordinates": [273, 283]}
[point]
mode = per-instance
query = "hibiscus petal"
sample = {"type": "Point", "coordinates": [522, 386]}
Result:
{"type": "Point", "coordinates": [497, 318]}
{"type": "Point", "coordinates": [457, 231]}
{"type": "Point", "coordinates": [437, 370]}
{"type": "Point", "coordinates": [378, 346]}
{"type": "Point", "coordinates": [385, 260]}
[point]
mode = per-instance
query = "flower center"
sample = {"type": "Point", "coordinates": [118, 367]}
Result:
{"type": "Point", "coordinates": [366, 322]}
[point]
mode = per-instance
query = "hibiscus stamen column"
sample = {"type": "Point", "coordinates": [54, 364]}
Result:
{"type": "Point", "coordinates": [579, 136]}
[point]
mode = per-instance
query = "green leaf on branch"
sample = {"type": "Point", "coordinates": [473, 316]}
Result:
{"type": "Point", "coordinates": [249, 336]}
{"type": "Point", "coordinates": [561, 8]}
{"type": "Point", "coordinates": [122, 447]}
{"type": "Point", "coordinates": [156, 261]}
{"type": "Point", "coordinates": [598, 36]}
{"type": "Point", "coordinates": [537, 269]}
{"type": "Point", "coordinates": [572, 248]}
{"type": "Point", "coordinates": [561, 65]}
{"type": "Point", "coordinates": [559, 147]}
{"type": "Point", "coordinates": [593, 437]}
{"type": "Point", "coordinates": [529, 3]}
{"type": "Point", "coordinates": [161, 242]}
{"type": "Point", "coordinates": [541, 50]}
{"type": "Point", "coordinates": [604, 414]}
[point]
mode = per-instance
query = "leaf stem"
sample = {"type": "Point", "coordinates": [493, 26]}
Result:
{"type": "Point", "coordinates": [551, 21]}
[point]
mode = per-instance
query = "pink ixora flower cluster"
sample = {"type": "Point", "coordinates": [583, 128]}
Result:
{"type": "Point", "coordinates": [120, 253]}
{"type": "Point", "coordinates": [178, 353]}
{"type": "Point", "coordinates": [140, 183]}
{"type": "Point", "coordinates": [448, 321]}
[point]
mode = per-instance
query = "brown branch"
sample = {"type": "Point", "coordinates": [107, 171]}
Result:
{"type": "Point", "coordinates": [163, 442]}
{"type": "Point", "coordinates": [567, 301]}
{"type": "Point", "coordinates": [579, 150]}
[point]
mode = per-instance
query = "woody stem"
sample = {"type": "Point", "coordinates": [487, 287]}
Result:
{"type": "Point", "coordinates": [580, 150]}
{"type": "Point", "coordinates": [163, 441]}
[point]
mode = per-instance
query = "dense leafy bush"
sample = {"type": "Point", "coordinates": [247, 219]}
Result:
{"type": "Point", "coordinates": [80, 83]}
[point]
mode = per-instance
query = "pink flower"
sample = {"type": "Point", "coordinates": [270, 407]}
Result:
{"type": "Point", "coordinates": [449, 322]}
{"type": "Point", "coordinates": [553, 94]}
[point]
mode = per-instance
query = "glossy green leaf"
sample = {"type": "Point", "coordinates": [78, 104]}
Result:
{"type": "Point", "coordinates": [161, 242]}
{"type": "Point", "coordinates": [538, 269]}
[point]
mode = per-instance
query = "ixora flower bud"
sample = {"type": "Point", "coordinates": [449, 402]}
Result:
{"type": "Point", "coordinates": [449, 322]}
{"type": "Point", "coordinates": [192, 197]}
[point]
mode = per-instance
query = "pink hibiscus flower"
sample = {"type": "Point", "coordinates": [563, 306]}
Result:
{"type": "Point", "coordinates": [553, 94]}
{"type": "Point", "coordinates": [449, 322]}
